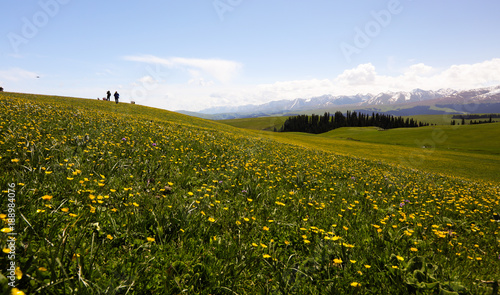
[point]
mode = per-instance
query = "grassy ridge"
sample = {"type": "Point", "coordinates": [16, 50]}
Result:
{"type": "Point", "coordinates": [122, 198]}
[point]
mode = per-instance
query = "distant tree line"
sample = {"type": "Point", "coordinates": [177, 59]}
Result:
{"type": "Point", "coordinates": [473, 122]}
{"type": "Point", "coordinates": [319, 124]}
{"type": "Point", "coordinates": [476, 116]}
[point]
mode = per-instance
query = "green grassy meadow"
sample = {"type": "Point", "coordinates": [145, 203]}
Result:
{"type": "Point", "coordinates": [124, 199]}
{"type": "Point", "coordinates": [468, 151]}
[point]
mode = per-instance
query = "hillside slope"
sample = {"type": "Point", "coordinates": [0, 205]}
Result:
{"type": "Point", "coordinates": [469, 151]}
{"type": "Point", "coordinates": [115, 199]}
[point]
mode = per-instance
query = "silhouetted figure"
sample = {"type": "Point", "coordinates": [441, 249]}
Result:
{"type": "Point", "coordinates": [1, 89]}
{"type": "Point", "coordinates": [108, 95]}
{"type": "Point", "coordinates": [116, 96]}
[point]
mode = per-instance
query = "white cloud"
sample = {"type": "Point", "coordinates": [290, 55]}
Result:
{"type": "Point", "coordinates": [199, 92]}
{"type": "Point", "coordinates": [200, 82]}
{"type": "Point", "coordinates": [420, 69]}
{"type": "Point", "coordinates": [465, 76]}
{"type": "Point", "coordinates": [16, 75]}
{"type": "Point", "coordinates": [147, 80]}
{"type": "Point", "coordinates": [222, 70]}
{"type": "Point", "coordinates": [361, 75]}
{"type": "Point", "coordinates": [365, 79]}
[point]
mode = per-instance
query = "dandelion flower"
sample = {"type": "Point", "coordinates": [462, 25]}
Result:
{"type": "Point", "coordinates": [41, 268]}
{"type": "Point", "coordinates": [47, 198]}
{"type": "Point", "coordinates": [337, 261]}
{"type": "Point", "coordinates": [355, 284]}
{"type": "Point", "coordinates": [413, 249]}
{"type": "Point", "coordinates": [211, 219]}
{"type": "Point", "coordinates": [16, 291]}
{"type": "Point", "coordinates": [109, 237]}
{"type": "Point", "coordinates": [266, 256]}
{"type": "Point", "coordinates": [265, 228]}
{"type": "Point", "coordinates": [19, 273]}
{"type": "Point", "coordinates": [400, 258]}
{"type": "Point", "coordinates": [6, 250]}
{"type": "Point", "coordinates": [150, 239]}
{"type": "Point", "coordinates": [6, 230]}
{"type": "Point", "coordinates": [367, 266]}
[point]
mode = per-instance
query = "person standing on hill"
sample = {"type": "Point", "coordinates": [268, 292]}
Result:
{"type": "Point", "coordinates": [108, 95]}
{"type": "Point", "coordinates": [116, 96]}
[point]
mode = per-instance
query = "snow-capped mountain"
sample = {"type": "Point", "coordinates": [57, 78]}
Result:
{"type": "Point", "coordinates": [481, 95]}
{"type": "Point", "coordinates": [281, 106]}
{"type": "Point", "coordinates": [404, 97]}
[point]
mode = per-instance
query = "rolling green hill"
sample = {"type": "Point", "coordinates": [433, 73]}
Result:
{"type": "Point", "coordinates": [483, 138]}
{"type": "Point", "coordinates": [469, 151]}
{"type": "Point", "coordinates": [106, 198]}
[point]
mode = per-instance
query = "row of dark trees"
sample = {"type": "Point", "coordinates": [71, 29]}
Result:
{"type": "Point", "coordinates": [319, 124]}
{"type": "Point", "coordinates": [474, 122]}
{"type": "Point", "coordinates": [476, 116]}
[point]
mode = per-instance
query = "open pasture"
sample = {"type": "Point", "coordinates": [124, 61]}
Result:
{"type": "Point", "coordinates": [123, 199]}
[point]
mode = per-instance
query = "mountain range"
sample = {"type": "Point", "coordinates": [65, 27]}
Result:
{"type": "Point", "coordinates": [447, 99]}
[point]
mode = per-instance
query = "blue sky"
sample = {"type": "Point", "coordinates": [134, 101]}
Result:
{"type": "Point", "coordinates": [196, 54]}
